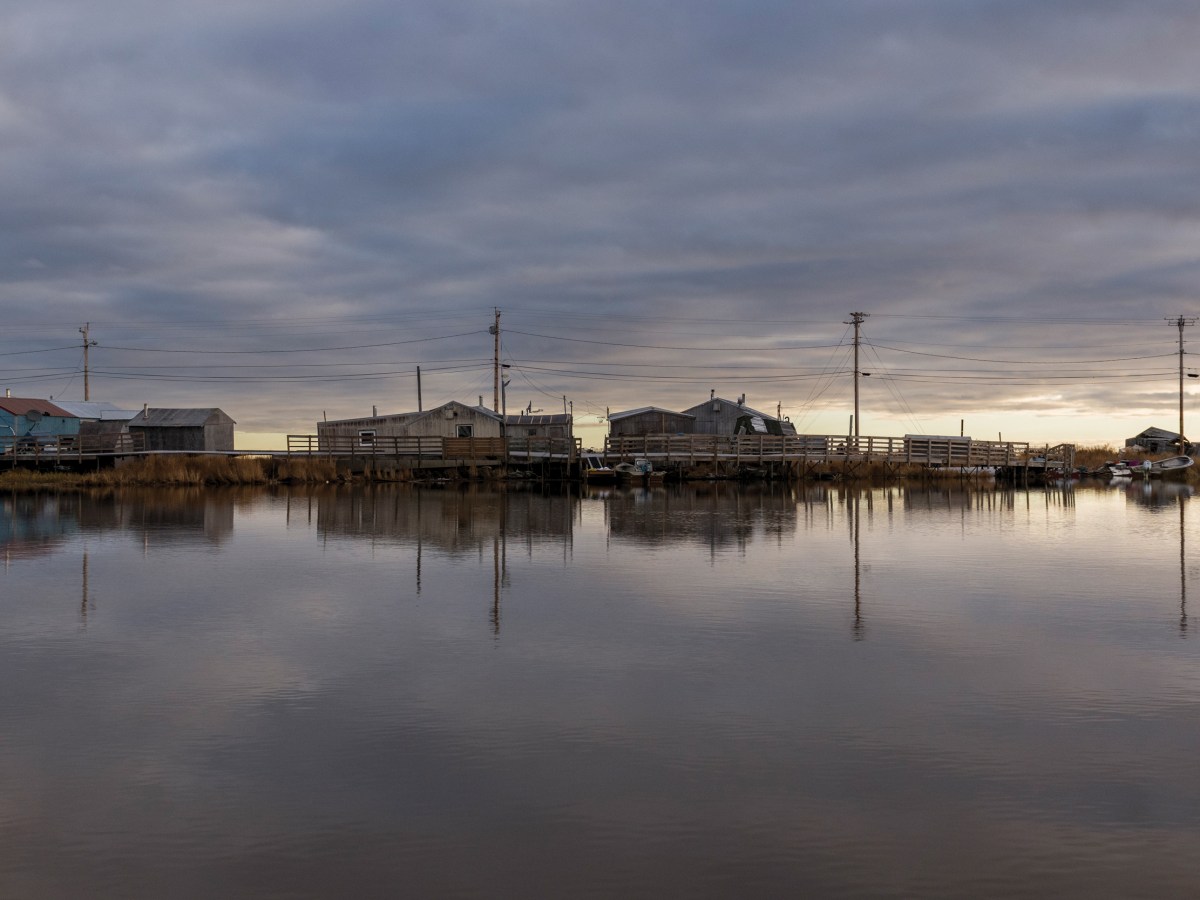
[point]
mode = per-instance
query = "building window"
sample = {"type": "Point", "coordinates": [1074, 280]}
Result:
{"type": "Point", "coordinates": [366, 438]}
{"type": "Point", "coordinates": [465, 430]}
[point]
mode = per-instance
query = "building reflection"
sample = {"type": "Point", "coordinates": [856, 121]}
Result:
{"type": "Point", "coordinates": [715, 514]}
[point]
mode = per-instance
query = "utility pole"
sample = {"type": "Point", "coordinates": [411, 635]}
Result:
{"type": "Point", "coordinates": [419, 407]}
{"type": "Point", "coordinates": [1180, 322]}
{"type": "Point", "coordinates": [856, 319]}
{"type": "Point", "coordinates": [87, 395]}
{"type": "Point", "coordinates": [495, 332]}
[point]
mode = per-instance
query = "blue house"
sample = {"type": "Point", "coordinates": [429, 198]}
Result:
{"type": "Point", "coordinates": [38, 420]}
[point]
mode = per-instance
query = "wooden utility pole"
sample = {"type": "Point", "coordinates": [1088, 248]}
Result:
{"type": "Point", "coordinates": [87, 395]}
{"type": "Point", "coordinates": [495, 332]}
{"type": "Point", "coordinates": [1181, 321]}
{"type": "Point", "coordinates": [856, 319]}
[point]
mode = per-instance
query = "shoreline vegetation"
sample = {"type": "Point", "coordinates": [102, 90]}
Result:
{"type": "Point", "coordinates": [191, 471]}
{"type": "Point", "coordinates": [215, 471]}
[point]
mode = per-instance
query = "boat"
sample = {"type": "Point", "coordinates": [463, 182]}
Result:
{"type": "Point", "coordinates": [639, 470]}
{"type": "Point", "coordinates": [1113, 470]}
{"type": "Point", "coordinates": [596, 471]}
{"type": "Point", "coordinates": [1170, 464]}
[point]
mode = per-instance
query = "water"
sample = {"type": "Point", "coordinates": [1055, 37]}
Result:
{"type": "Point", "coordinates": [701, 691]}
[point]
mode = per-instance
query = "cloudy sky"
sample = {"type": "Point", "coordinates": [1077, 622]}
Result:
{"type": "Point", "coordinates": [284, 208]}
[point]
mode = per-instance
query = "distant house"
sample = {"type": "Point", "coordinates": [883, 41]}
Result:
{"type": "Point", "coordinates": [649, 420]}
{"type": "Point", "coordinates": [721, 416]}
{"type": "Point", "coordinates": [184, 430]}
{"type": "Point", "coordinates": [1159, 440]}
{"type": "Point", "coordinates": [453, 420]}
{"type": "Point", "coordinates": [42, 420]}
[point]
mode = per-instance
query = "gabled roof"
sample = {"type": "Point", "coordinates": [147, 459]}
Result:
{"type": "Point", "coordinates": [451, 404]}
{"type": "Point", "coordinates": [625, 414]}
{"type": "Point", "coordinates": [179, 418]}
{"type": "Point", "coordinates": [746, 410]}
{"type": "Point", "coordinates": [22, 406]}
{"type": "Point", "coordinates": [1159, 434]}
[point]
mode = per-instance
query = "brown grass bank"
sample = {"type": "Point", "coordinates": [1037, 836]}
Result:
{"type": "Point", "coordinates": [181, 470]}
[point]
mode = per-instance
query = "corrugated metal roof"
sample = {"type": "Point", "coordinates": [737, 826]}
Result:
{"type": "Point", "coordinates": [21, 406]}
{"type": "Point", "coordinates": [625, 414]}
{"type": "Point", "coordinates": [179, 418]}
{"type": "Point", "coordinates": [94, 409]}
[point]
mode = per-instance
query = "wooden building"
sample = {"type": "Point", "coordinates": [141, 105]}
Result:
{"type": "Point", "coordinates": [1159, 440]}
{"type": "Point", "coordinates": [26, 419]}
{"type": "Point", "coordinates": [184, 430]}
{"type": "Point", "coordinates": [537, 425]}
{"type": "Point", "coordinates": [720, 416]}
{"type": "Point", "coordinates": [451, 420]}
{"type": "Point", "coordinates": [650, 420]}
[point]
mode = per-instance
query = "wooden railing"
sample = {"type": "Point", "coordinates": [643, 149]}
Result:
{"type": "Point", "coordinates": [432, 448]}
{"type": "Point", "coordinates": [680, 448]}
{"type": "Point", "coordinates": [817, 448]}
{"type": "Point", "coordinates": [70, 446]}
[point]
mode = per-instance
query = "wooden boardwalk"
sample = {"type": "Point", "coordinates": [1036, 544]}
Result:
{"type": "Point", "coordinates": [802, 452]}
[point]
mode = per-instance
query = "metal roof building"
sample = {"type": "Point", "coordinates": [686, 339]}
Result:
{"type": "Point", "coordinates": [184, 430]}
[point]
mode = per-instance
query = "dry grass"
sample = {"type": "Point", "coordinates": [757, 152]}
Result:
{"type": "Point", "coordinates": [177, 470]}
{"type": "Point", "coordinates": [305, 470]}
{"type": "Point", "coordinates": [1098, 455]}
{"type": "Point", "coordinates": [182, 470]}
{"type": "Point", "coordinates": [29, 480]}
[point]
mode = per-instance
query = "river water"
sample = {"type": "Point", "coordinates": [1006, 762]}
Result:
{"type": "Point", "coordinates": [696, 691]}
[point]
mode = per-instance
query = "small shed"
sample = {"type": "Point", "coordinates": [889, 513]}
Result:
{"type": "Point", "coordinates": [720, 416]}
{"type": "Point", "coordinates": [1158, 440]}
{"type": "Point", "coordinates": [650, 420]}
{"type": "Point", "coordinates": [184, 430]}
{"type": "Point", "coordinates": [22, 417]}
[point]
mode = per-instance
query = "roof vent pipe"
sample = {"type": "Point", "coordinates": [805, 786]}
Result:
{"type": "Point", "coordinates": [145, 410]}
{"type": "Point", "coordinates": [374, 412]}
{"type": "Point", "coordinates": [8, 392]}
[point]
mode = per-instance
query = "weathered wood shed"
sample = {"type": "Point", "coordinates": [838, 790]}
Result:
{"type": "Point", "coordinates": [650, 420]}
{"type": "Point", "coordinates": [555, 425]}
{"type": "Point", "coordinates": [1158, 440]}
{"type": "Point", "coordinates": [720, 416]}
{"type": "Point", "coordinates": [453, 420]}
{"type": "Point", "coordinates": [184, 430]}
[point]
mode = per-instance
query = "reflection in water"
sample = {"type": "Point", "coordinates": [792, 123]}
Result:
{"type": "Point", "coordinates": [859, 628]}
{"type": "Point", "coordinates": [1182, 567]}
{"type": "Point", "coordinates": [307, 692]}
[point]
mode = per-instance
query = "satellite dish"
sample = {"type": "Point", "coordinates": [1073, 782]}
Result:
{"type": "Point", "coordinates": [34, 416]}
